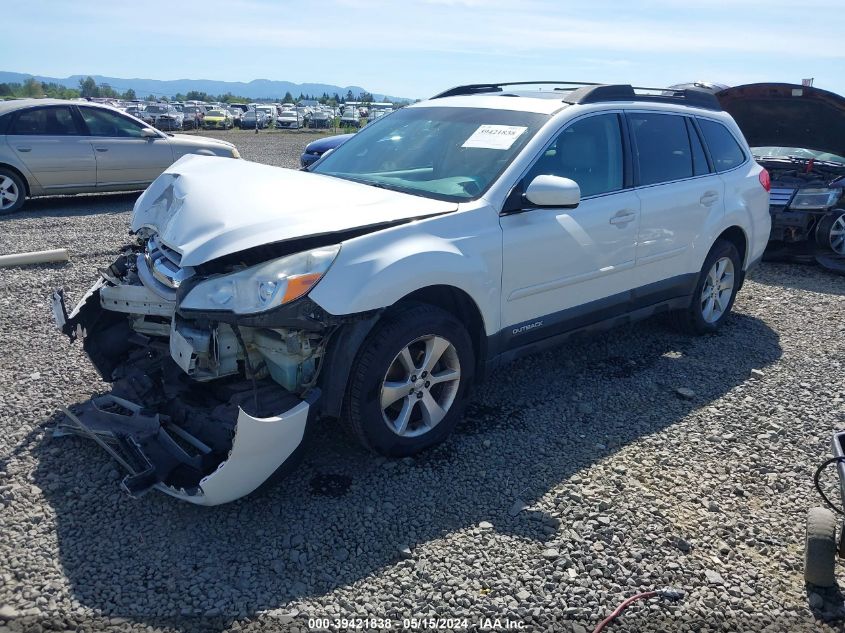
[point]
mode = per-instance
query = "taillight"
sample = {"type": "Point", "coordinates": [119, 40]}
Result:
{"type": "Point", "coordinates": [765, 180]}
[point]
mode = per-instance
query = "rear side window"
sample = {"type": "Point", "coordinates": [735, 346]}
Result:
{"type": "Point", "coordinates": [724, 150]}
{"type": "Point", "coordinates": [662, 147]}
{"type": "Point", "coordinates": [52, 121]}
{"type": "Point", "coordinates": [589, 152]}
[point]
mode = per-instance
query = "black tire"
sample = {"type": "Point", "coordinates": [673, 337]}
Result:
{"type": "Point", "coordinates": [829, 232]}
{"type": "Point", "coordinates": [820, 548]}
{"type": "Point", "coordinates": [692, 319]}
{"type": "Point", "coordinates": [403, 328]}
{"type": "Point", "coordinates": [14, 186]}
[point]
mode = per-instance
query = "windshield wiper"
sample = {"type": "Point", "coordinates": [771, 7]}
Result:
{"type": "Point", "coordinates": [364, 181]}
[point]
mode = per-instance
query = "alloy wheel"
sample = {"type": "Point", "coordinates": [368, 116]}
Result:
{"type": "Point", "coordinates": [718, 290]}
{"type": "Point", "coordinates": [420, 386]}
{"type": "Point", "coordinates": [9, 193]}
{"type": "Point", "coordinates": [837, 235]}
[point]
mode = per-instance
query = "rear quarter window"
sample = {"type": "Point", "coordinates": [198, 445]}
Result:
{"type": "Point", "coordinates": [724, 148]}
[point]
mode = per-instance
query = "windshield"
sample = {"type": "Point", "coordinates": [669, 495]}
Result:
{"type": "Point", "coordinates": [796, 152]}
{"type": "Point", "coordinates": [156, 109]}
{"type": "Point", "coordinates": [444, 153]}
{"type": "Point", "coordinates": [215, 113]}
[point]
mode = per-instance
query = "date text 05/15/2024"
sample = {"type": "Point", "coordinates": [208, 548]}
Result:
{"type": "Point", "coordinates": [415, 624]}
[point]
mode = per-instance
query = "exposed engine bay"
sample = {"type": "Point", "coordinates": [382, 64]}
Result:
{"type": "Point", "coordinates": [190, 393]}
{"type": "Point", "coordinates": [797, 132]}
{"type": "Point", "coordinates": [807, 204]}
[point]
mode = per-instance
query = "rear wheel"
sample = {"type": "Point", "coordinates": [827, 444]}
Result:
{"type": "Point", "coordinates": [12, 191]}
{"type": "Point", "coordinates": [820, 548]}
{"type": "Point", "coordinates": [410, 381]}
{"type": "Point", "coordinates": [713, 298]}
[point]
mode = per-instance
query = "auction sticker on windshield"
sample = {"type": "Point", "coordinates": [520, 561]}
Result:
{"type": "Point", "coordinates": [494, 136]}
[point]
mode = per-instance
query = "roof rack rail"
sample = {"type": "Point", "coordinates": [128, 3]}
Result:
{"type": "Point", "coordinates": [472, 89]}
{"type": "Point", "coordinates": [581, 92]}
{"type": "Point", "coordinates": [624, 92]}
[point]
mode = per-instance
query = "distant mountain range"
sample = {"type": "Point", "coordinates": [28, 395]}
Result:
{"type": "Point", "coordinates": [255, 89]}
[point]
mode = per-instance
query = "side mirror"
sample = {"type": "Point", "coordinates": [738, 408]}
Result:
{"type": "Point", "coordinates": [149, 133]}
{"type": "Point", "coordinates": [553, 191]}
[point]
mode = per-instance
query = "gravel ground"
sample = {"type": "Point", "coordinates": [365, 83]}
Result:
{"type": "Point", "coordinates": [579, 477]}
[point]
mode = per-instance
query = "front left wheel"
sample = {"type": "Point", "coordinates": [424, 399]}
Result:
{"type": "Point", "coordinates": [409, 384]}
{"type": "Point", "coordinates": [830, 232]}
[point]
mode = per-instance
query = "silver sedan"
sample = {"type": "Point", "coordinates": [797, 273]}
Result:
{"type": "Point", "coordinates": [50, 147]}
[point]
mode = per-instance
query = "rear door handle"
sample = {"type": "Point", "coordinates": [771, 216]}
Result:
{"type": "Point", "coordinates": [623, 217]}
{"type": "Point", "coordinates": [709, 198]}
{"type": "Point", "coordinates": [24, 149]}
{"type": "Point", "coordinates": [102, 149]}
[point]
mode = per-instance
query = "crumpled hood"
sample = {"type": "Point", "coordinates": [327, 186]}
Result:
{"type": "Point", "coordinates": [206, 207]}
{"type": "Point", "coordinates": [787, 115]}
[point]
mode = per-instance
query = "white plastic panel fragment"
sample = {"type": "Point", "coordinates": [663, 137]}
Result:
{"type": "Point", "coordinates": [260, 446]}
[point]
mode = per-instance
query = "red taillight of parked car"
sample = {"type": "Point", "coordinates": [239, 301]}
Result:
{"type": "Point", "coordinates": [765, 180]}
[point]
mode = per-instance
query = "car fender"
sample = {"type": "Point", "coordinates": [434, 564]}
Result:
{"type": "Point", "coordinates": [748, 208]}
{"type": "Point", "coordinates": [31, 183]}
{"type": "Point", "coordinates": [377, 270]}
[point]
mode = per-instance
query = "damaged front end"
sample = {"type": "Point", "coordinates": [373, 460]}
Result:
{"type": "Point", "coordinates": [807, 205]}
{"type": "Point", "coordinates": [206, 404]}
{"type": "Point", "coordinates": [797, 133]}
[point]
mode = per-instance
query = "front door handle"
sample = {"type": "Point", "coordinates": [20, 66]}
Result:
{"type": "Point", "coordinates": [623, 217]}
{"type": "Point", "coordinates": [24, 149]}
{"type": "Point", "coordinates": [102, 149]}
{"type": "Point", "coordinates": [709, 198]}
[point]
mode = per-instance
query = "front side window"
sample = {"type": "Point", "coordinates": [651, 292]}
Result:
{"type": "Point", "coordinates": [724, 150]}
{"type": "Point", "coordinates": [589, 152]}
{"type": "Point", "coordinates": [662, 147]}
{"type": "Point", "coordinates": [52, 121]}
{"type": "Point", "coordinates": [104, 123]}
{"type": "Point", "coordinates": [444, 153]}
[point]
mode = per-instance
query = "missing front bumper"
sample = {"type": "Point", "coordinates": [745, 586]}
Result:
{"type": "Point", "coordinates": [173, 457]}
{"type": "Point", "coordinates": [203, 442]}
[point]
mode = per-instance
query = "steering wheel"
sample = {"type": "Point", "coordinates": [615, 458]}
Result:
{"type": "Point", "coordinates": [471, 186]}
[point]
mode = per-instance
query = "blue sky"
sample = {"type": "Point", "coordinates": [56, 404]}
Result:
{"type": "Point", "coordinates": [414, 48]}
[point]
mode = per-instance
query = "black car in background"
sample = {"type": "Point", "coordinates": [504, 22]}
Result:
{"type": "Point", "coordinates": [798, 134]}
{"type": "Point", "coordinates": [317, 148]}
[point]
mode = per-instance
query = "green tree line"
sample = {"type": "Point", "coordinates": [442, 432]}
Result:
{"type": "Point", "coordinates": [89, 88]}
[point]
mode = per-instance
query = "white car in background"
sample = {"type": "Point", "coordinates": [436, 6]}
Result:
{"type": "Point", "coordinates": [383, 282]}
{"type": "Point", "coordinates": [351, 117]}
{"type": "Point", "coordinates": [289, 119]}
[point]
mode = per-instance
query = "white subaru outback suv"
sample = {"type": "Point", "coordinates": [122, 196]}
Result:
{"type": "Point", "coordinates": [378, 285]}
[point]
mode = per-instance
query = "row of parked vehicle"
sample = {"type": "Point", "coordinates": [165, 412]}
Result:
{"type": "Point", "coordinates": [175, 116]}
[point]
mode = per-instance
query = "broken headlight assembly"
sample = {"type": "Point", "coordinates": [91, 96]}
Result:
{"type": "Point", "coordinates": [814, 198]}
{"type": "Point", "coordinates": [263, 287]}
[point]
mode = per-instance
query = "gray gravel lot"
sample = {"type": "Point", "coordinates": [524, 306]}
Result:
{"type": "Point", "coordinates": [579, 477]}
